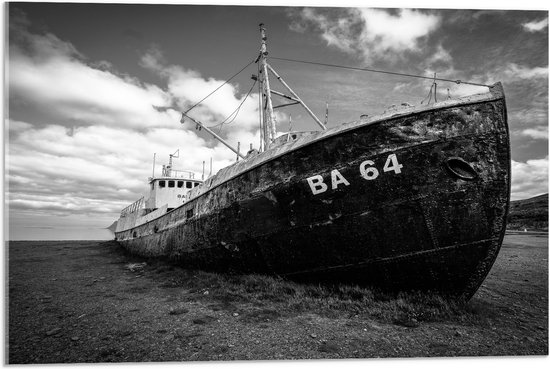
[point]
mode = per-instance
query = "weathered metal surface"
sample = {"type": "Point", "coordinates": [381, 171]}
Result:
{"type": "Point", "coordinates": [431, 215]}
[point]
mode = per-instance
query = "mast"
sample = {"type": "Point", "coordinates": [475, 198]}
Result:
{"type": "Point", "coordinates": [269, 121]}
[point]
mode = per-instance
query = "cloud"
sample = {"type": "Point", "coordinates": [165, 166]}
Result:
{"type": "Point", "coordinates": [106, 166]}
{"type": "Point", "coordinates": [371, 33]}
{"type": "Point", "coordinates": [530, 178]}
{"type": "Point", "coordinates": [536, 26]}
{"type": "Point", "coordinates": [51, 76]}
{"type": "Point", "coordinates": [81, 136]}
{"type": "Point", "coordinates": [514, 72]}
{"type": "Point", "coordinates": [388, 32]}
{"type": "Point", "coordinates": [538, 132]}
{"type": "Point", "coordinates": [441, 58]}
{"type": "Point", "coordinates": [187, 87]}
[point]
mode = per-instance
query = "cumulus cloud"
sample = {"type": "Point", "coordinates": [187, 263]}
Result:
{"type": "Point", "coordinates": [530, 178]}
{"type": "Point", "coordinates": [81, 136]}
{"type": "Point", "coordinates": [536, 26]}
{"type": "Point", "coordinates": [51, 76]}
{"type": "Point", "coordinates": [187, 87]}
{"type": "Point", "coordinates": [371, 33]}
{"type": "Point", "coordinates": [396, 32]}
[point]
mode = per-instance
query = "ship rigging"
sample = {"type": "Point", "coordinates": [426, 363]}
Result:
{"type": "Point", "coordinates": [414, 198]}
{"type": "Point", "coordinates": [267, 118]}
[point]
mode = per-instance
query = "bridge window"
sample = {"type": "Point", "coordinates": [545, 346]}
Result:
{"type": "Point", "coordinates": [162, 184]}
{"type": "Point", "coordinates": [171, 184]}
{"type": "Point", "coordinates": [188, 184]}
{"type": "Point", "coordinates": [180, 184]}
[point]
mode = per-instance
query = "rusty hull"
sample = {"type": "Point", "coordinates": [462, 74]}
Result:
{"type": "Point", "coordinates": [426, 227]}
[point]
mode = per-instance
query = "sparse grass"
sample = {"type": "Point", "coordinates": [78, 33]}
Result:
{"type": "Point", "coordinates": [99, 311]}
{"type": "Point", "coordinates": [273, 297]}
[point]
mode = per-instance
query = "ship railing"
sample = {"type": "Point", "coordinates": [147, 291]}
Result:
{"type": "Point", "coordinates": [184, 174]}
{"type": "Point", "coordinates": [132, 207]}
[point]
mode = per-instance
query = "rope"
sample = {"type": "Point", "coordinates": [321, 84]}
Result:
{"type": "Point", "coordinates": [223, 84]}
{"type": "Point", "coordinates": [236, 111]}
{"type": "Point", "coordinates": [379, 71]}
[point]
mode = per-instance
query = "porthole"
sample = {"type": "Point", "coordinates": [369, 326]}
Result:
{"type": "Point", "coordinates": [459, 168]}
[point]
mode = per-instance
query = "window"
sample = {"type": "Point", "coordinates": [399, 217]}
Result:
{"type": "Point", "coordinates": [189, 213]}
{"type": "Point", "coordinates": [196, 184]}
{"type": "Point", "coordinates": [188, 184]}
{"type": "Point", "coordinates": [171, 184]}
{"type": "Point", "coordinates": [180, 184]}
{"type": "Point", "coordinates": [162, 184]}
{"type": "Point", "coordinates": [152, 185]}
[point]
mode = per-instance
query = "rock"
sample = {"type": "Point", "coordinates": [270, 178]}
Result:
{"type": "Point", "coordinates": [373, 326]}
{"type": "Point", "coordinates": [74, 338]}
{"type": "Point", "coordinates": [235, 314]}
{"type": "Point", "coordinates": [405, 322]}
{"type": "Point", "coordinates": [313, 335]}
{"type": "Point", "coordinates": [134, 267]}
{"type": "Point", "coordinates": [329, 347]}
{"type": "Point", "coordinates": [53, 331]}
{"type": "Point", "coordinates": [178, 311]}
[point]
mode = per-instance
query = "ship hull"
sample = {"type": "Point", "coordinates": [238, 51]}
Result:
{"type": "Point", "coordinates": [413, 201]}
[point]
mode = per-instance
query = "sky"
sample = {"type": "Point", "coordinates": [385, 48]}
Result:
{"type": "Point", "coordinates": [93, 91]}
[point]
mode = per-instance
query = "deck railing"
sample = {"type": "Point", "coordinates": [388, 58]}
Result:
{"type": "Point", "coordinates": [184, 174]}
{"type": "Point", "coordinates": [132, 207]}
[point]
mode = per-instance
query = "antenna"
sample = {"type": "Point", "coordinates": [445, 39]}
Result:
{"type": "Point", "coordinates": [203, 170]}
{"type": "Point", "coordinates": [154, 157]}
{"type": "Point", "coordinates": [176, 154]}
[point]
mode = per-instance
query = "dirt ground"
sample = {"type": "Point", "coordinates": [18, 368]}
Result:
{"type": "Point", "coordinates": [88, 301]}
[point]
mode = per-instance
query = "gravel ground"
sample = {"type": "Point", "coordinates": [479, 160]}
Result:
{"type": "Point", "coordinates": [89, 301]}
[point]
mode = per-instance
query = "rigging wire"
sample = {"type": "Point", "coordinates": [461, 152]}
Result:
{"type": "Point", "coordinates": [378, 71]}
{"type": "Point", "coordinates": [220, 86]}
{"type": "Point", "coordinates": [235, 112]}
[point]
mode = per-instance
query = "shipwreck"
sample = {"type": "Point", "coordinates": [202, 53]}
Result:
{"type": "Point", "coordinates": [415, 198]}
